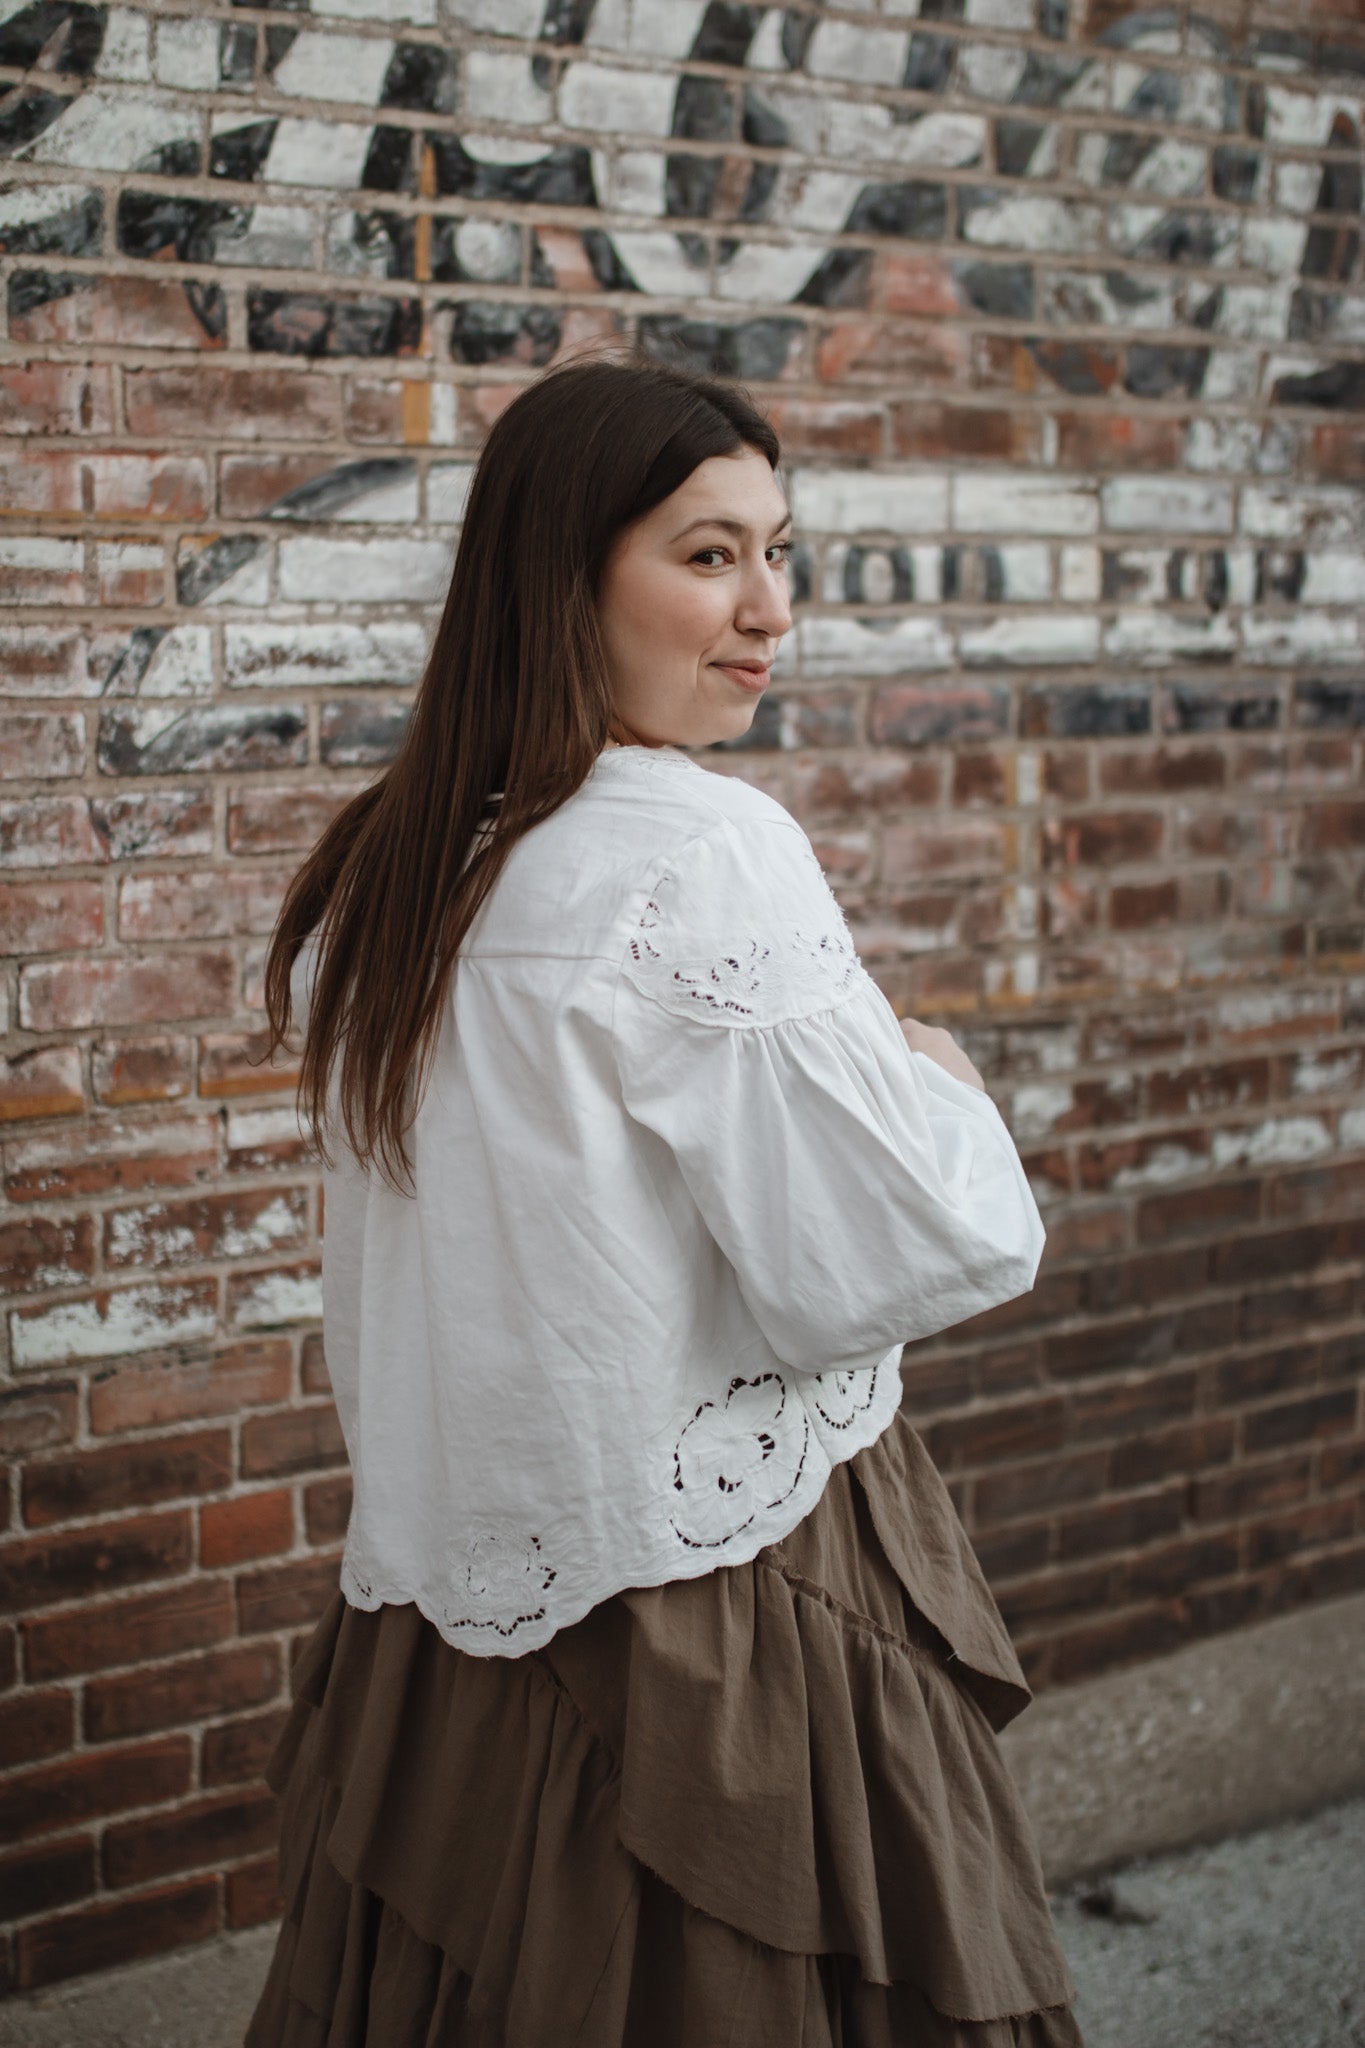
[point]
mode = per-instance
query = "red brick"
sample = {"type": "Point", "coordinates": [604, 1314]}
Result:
{"type": "Point", "coordinates": [249, 1526]}
{"type": "Point", "coordinates": [141, 1070]}
{"type": "Point", "coordinates": [233, 1064]}
{"type": "Point", "coordinates": [930, 432]}
{"type": "Point", "coordinates": [56, 398]}
{"type": "Point", "coordinates": [1121, 1525]}
{"type": "Point", "coordinates": [98, 1937]}
{"type": "Point", "coordinates": [875, 351]}
{"type": "Point", "coordinates": [92, 1482]}
{"type": "Point", "coordinates": [210, 1832]}
{"type": "Point", "coordinates": [1204, 1211]}
{"type": "Point", "coordinates": [203, 905]}
{"type": "Point", "coordinates": [327, 1509]}
{"type": "Point", "coordinates": [283, 1595]}
{"type": "Point", "coordinates": [251, 486]}
{"type": "Point", "coordinates": [1118, 441]}
{"type": "Point", "coordinates": [136, 1631]}
{"type": "Point", "coordinates": [78, 1564]}
{"type": "Point", "coordinates": [159, 1696]}
{"type": "Point", "coordinates": [197, 1228]}
{"type": "Point", "coordinates": [828, 427]}
{"type": "Point", "coordinates": [47, 831]}
{"type": "Point", "coordinates": [51, 917]}
{"type": "Point", "coordinates": [39, 1251]}
{"type": "Point", "coordinates": [1246, 1490]}
{"type": "Point", "coordinates": [80, 1788]}
{"type": "Point", "coordinates": [1029, 1489]}
{"type": "Point", "coordinates": [916, 281]}
{"type": "Point", "coordinates": [67, 995]}
{"type": "Point", "coordinates": [40, 481]}
{"type": "Point", "coordinates": [35, 1725]}
{"type": "Point", "coordinates": [298, 1440]}
{"type": "Point", "coordinates": [45, 1082]}
{"type": "Point", "coordinates": [1140, 771]}
{"type": "Point", "coordinates": [142, 312]}
{"type": "Point", "coordinates": [131, 573]}
{"type": "Point", "coordinates": [280, 820]}
{"type": "Point", "coordinates": [36, 1880]}
{"type": "Point", "coordinates": [1118, 1640]}
{"type": "Point", "coordinates": [237, 1751]}
{"type": "Point", "coordinates": [108, 1153]}
{"type": "Point", "coordinates": [146, 486]}
{"type": "Point", "coordinates": [244, 405]}
{"type": "Point", "coordinates": [252, 1893]}
{"type": "Point", "coordinates": [34, 1418]}
{"type": "Point", "coordinates": [145, 1395]}
{"type": "Point", "coordinates": [46, 743]}
{"type": "Point", "coordinates": [1020, 1430]}
{"type": "Point", "coordinates": [1291, 1422]}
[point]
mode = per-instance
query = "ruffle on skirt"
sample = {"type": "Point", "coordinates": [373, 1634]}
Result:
{"type": "Point", "coordinates": [765, 1808]}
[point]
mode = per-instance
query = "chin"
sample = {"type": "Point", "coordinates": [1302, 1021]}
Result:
{"type": "Point", "coordinates": [728, 723]}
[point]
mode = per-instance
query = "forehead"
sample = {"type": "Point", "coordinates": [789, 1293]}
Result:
{"type": "Point", "coordinates": [741, 486]}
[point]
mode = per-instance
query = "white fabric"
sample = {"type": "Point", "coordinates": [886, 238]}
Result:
{"type": "Point", "coordinates": [683, 1192]}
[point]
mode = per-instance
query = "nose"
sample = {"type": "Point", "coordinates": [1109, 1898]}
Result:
{"type": "Point", "coordinates": [764, 604]}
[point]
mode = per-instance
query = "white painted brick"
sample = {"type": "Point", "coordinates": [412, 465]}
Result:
{"type": "Point", "coordinates": [274, 1298]}
{"type": "Point", "coordinates": [106, 129]}
{"type": "Point", "coordinates": [1006, 501]}
{"type": "Point", "coordinates": [1222, 444]}
{"type": "Point", "coordinates": [500, 87]}
{"type": "Point", "coordinates": [448, 492]}
{"type": "Point", "coordinates": [655, 260]}
{"type": "Point", "coordinates": [1297, 187]}
{"type": "Point", "coordinates": [990, 71]}
{"type": "Point", "coordinates": [1139, 504]}
{"type": "Point", "coordinates": [250, 1130]}
{"type": "Point", "coordinates": [1027, 221]}
{"type": "Point", "coordinates": [632, 181]}
{"type": "Point", "coordinates": [270, 238]}
{"type": "Point", "coordinates": [1241, 568]}
{"type": "Point", "coordinates": [862, 56]}
{"type": "Point", "coordinates": [1231, 374]}
{"type": "Point", "coordinates": [125, 48]}
{"type": "Point", "coordinates": [1333, 578]}
{"type": "Point", "coordinates": [1174, 170]}
{"type": "Point", "coordinates": [867, 501]}
{"type": "Point", "coordinates": [270, 655]}
{"type": "Point", "coordinates": [363, 571]}
{"type": "Point", "coordinates": [422, 13]}
{"type": "Point", "coordinates": [1151, 639]}
{"type": "Point", "coordinates": [303, 152]}
{"type": "Point", "coordinates": [498, 17]}
{"type": "Point", "coordinates": [131, 1319]}
{"type": "Point", "coordinates": [1037, 1107]}
{"type": "Point", "coordinates": [187, 54]}
{"type": "Point", "coordinates": [1001, 14]}
{"type": "Point", "coordinates": [319, 66]}
{"type": "Point", "coordinates": [45, 661]}
{"type": "Point", "coordinates": [182, 665]}
{"type": "Point", "coordinates": [769, 272]}
{"type": "Point", "coordinates": [845, 646]}
{"type": "Point", "coordinates": [607, 98]}
{"type": "Point", "coordinates": [1274, 245]}
{"type": "Point", "coordinates": [646, 28]}
{"type": "Point", "coordinates": [1279, 1141]}
{"type": "Point", "coordinates": [1255, 312]}
{"type": "Point", "coordinates": [27, 205]}
{"type": "Point", "coordinates": [1301, 636]}
{"type": "Point", "coordinates": [443, 427]}
{"type": "Point", "coordinates": [393, 500]}
{"type": "Point", "coordinates": [1050, 639]}
{"type": "Point", "coordinates": [1321, 515]}
{"type": "Point", "coordinates": [34, 554]}
{"type": "Point", "coordinates": [249, 585]}
{"type": "Point", "coordinates": [1299, 119]}
{"type": "Point", "coordinates": [808, 198]}
{"type": "Point", "coordinates": [1165, 1162]}
{"type": "Point", "coordinates": [1027, 573]}
{"type": "Point", "coordinates": [926, 566]}
{"type": "Point", "coordinates": [1080, 576]}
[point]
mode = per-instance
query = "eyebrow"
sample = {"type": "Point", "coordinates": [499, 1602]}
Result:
{"type": "Point", "coordinates": [734, 526]}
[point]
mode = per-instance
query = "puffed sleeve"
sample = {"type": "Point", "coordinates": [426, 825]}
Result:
{"type": "Point", "coordinates": [862, 1194]}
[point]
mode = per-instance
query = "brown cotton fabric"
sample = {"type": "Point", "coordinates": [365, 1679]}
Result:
{"type": "Point", "coordinates": [765, 1808]}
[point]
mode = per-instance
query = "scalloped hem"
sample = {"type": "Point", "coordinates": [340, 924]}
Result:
{"type": "Point", "coordinates": [760, 1807]}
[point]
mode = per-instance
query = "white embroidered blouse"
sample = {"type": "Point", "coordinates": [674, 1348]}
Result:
{"type": "Point", "coordinates": [683, 1192]}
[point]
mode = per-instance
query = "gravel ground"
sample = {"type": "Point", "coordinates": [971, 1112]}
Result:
{"type": "Point", "coordinates": [1255, 1942]}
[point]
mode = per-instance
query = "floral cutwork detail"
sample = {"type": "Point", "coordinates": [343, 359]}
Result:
{"type": "Point", "coordinates": [736, 1459]}
{"type": "Point", "coordinates": [839, 1398]}
{"type": "Point", "coordinates": [748, 982]}
{"type": "Point", "coordinates": [499, 1581]}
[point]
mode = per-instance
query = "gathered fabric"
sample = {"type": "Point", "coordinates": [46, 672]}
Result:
{"type": "Point", "coordinates": [682, 1194]}
{"type": "Point", "coordinates": [762, 1808]}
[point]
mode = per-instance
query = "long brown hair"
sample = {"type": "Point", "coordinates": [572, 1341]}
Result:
{"type": "Point", "coordinates": [514, 698]}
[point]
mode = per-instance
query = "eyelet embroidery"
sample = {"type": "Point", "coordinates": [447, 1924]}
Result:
{"type": "Point", "coordinates": [748, 982]}
{"type": "Point", "coordinates": [499, 1581]}
{"type": "Point", "coordinates": [839, 1398]}
{"type": "Point", "coordinates": [737, 1458]}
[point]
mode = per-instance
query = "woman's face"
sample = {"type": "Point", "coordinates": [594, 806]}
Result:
{"type": "Point", "coordinates": [693, 602]}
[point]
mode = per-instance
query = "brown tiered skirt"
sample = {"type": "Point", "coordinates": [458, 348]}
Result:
{"type": "Point", "coordinates": [761, 1809]}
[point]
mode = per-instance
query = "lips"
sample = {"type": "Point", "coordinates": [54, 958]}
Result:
{"type": "Point", "coordinates": [749, 676]}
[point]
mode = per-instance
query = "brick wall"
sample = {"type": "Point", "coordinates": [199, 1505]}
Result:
{"type": "Point", "coordinates": [1059, 310]}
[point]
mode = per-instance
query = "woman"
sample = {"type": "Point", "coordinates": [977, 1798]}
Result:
{"type": "Point", "coordinates": [657, 1702]}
